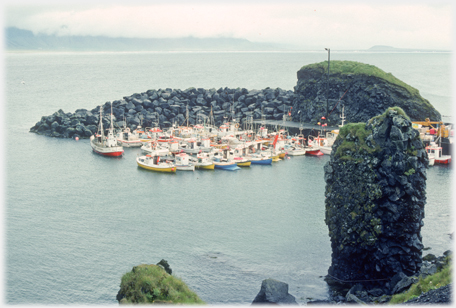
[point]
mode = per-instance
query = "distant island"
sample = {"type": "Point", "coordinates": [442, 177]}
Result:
{"type": "Point", "coordinates": [383, 48]}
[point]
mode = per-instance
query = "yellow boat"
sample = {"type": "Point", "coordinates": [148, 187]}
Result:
{"type": "Point", "coordinates": [153, 163]}
{"type": "Point", "coordinates": [244, 163]}
{"type": "Point", "coordinates": [282, 155]}
{"type": "Point", "coordinates": [203, 161]}
{"type": "Point", "coordinates": [207, 167]}
{"type": "Point", "coordinates": [276, 158]}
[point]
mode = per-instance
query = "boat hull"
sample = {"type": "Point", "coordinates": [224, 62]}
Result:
{"type": "Point", "coordinates": [314, 152]}
{"type": "Point", "coordinates": [224, 166]}
{"type": "Point", "coordinates": [157, 168]}
{"type": "Point", "coordinates": [244, 163]}
{"type": "Point", "coordinates": [267, 161]}
{"type": "Point", "coordinates": [185, 168]}
{"type": "Point", "coordinates": [442, 160]}
{"type": "Point", "coordinates": [107, 151]}
{"type": "Point", "coordinates": [205, 167]}
{"type": "Point", "coordinates": [297, 152]}
{"type": "Point", "coordinates": [130, 144]}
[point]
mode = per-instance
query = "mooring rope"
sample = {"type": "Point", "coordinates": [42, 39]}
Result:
{"type": "Point", "coordinates": [335, 278]}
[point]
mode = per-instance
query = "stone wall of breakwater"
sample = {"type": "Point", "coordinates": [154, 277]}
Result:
{"type": "Point", "coordinates": [165, 107]}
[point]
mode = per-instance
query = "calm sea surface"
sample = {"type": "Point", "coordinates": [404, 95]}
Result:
{"type": "Point", "coordinates": [76, 222]}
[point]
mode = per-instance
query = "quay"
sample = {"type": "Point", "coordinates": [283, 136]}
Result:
{"type": "Point", "coordinates": [293, 127]}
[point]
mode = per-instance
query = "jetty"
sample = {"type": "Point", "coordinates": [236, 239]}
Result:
{"type": "Point", "coordinates": [294, 128]}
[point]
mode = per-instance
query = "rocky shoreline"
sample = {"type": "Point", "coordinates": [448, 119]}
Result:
{"type": "Point", "coordinates": [360, 295]}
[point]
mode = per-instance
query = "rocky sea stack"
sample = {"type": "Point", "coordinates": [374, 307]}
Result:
{"type": "Point", "coordinates": [363, 89]}
{"type": "Point", "coordinates": [375, 197]}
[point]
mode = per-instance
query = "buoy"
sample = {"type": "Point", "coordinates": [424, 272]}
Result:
{"type": "Point", "coordinates": [288, 157]}
{"type": "Point", "coordinates": [77, 138]}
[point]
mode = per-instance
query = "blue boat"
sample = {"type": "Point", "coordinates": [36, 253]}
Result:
{"type": "Point", "coordinates": [257, 159]}
{"type": "Point", "coordinates": [225, 165]}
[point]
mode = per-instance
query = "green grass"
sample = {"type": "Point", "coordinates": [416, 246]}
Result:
{"type": "Point", "coordinates": [353, 67]}
{"type": "Point", "coordinates": [439, 279]}
{"type": "Point", "coordinates": [382, 116]}
{"type": "Point", "coordinates": [357, 130]}
{"type": "Point", "coordinates": [147, 284]}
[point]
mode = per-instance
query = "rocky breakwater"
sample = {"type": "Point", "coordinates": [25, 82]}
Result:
{"type": "Point", "coordinates": [165, 107]}
{"type": "Point", "coordinates": [375, 197]}
{"type": "Point", "coordinates": [363, 89]}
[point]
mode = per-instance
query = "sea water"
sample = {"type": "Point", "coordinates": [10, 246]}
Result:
{"type": "Point", "coordinates": [75, 222]}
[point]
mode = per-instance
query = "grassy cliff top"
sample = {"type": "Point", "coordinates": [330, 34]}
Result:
{"type": "Point", "coordinates": [148, 283]}
{"type": "Point", "coordinates": [353, 67]}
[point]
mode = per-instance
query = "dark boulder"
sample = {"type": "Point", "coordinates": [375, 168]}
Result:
{"type": "Point", "coordinates": [274, 292]}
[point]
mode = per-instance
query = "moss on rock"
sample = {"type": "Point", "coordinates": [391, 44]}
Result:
{"type": "Point", "coordinates": [375, 181]}
{"type": "Point", "coordinates": [150, 284]}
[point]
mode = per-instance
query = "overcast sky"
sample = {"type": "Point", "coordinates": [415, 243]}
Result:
{"type": "Point", "coordinates": [310, 24]}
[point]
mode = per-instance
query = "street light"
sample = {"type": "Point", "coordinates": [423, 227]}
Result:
{"type": "Point", "coordinates": [327, 88]}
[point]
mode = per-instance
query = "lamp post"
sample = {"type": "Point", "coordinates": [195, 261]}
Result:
{"type": "Point", "coordinates": [327, 88]}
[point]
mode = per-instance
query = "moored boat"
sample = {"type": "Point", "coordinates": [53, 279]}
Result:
{"type": "Point", "coordinates": [435, 156]}
{"type": "Point", "coordinates": [105, 145]}
{"type": "Point", "coordinates": [155, 163]}
{"type": "Point", "coordinates": [183, 163]}
{"type": "Point", "coordinates": [203, 161]}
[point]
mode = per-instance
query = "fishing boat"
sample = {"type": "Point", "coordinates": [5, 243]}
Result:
{"type": "Point", "coordinates": [155, 163]}
{"type": "Point", "coordinates": [221, 162]}
{"type": "Point", "coordinates": [242, 161]}
{"type": "Point", "coordinates": [313, 148]}
{"type": "Point", "coordinates": [260, 159]}
{"type": "Point", "coordinates": [225, 165]}
{"type": "Point", "coordinates": [128, 139]}
{"type": "Point", "coordinates": [105, 145]}
{"type": "Point", "coordinates": [295, 150]}
{"type": "Point", "coordinates": [435, 156]}
{"type": "Point", "coordinates": [183, 163]}
{"type": "Point", "coordinates": [203, 161]}
{"type": "Point", "coordinates": [153, 146]}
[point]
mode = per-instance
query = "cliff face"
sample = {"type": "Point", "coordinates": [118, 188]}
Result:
{"type": "Point", "coordinates": [366, 91]}
{"type": "Point", "coordinates": [375, 197]}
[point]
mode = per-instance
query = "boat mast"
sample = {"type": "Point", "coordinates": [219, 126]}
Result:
{"type": "Point", "coordinates": [101, 126]}
{"type": "Point", "coordinates": [342, 116]}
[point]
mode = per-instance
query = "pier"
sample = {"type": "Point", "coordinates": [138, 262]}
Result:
{"type": "Point", "coordinates": [293, 127]}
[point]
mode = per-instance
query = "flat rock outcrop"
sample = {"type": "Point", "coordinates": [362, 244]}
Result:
{"type": "Point", "coordinates": [375, 198]}
{"type": "Point", "coordinates": [364, 90]}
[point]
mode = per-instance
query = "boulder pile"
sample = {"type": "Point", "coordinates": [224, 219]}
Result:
{"type": "Point", "coordinates": [375, 197]}
{"type": "Point", "coordinates": [165, 107]}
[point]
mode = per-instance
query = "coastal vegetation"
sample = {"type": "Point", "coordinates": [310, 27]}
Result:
{"type": "Point", "coordinates": [353, 67]}
{"type": "Point", "coordinates": [151, 284]}
{"type": "Point", "coordinates": [432, 282]}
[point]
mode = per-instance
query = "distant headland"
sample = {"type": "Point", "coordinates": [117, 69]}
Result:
{"type": "Point", "coordinates": [25, 40]}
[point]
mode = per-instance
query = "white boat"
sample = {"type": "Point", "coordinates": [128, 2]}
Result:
{"type": "Point", "coordinates": [203, 161]}
{"type": "Point", "coordinates": [128, 139]}
{"type": "Point", "coordinates": [435, 156]}
{"type": "Point", "coordinates": [154, 147]}
{"type": "Point", "coordinates": [105, 145]}
{"type": "Point", "coordinates": [183, 162]}
{"type": "Point", "coordinates": [295, 150]}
